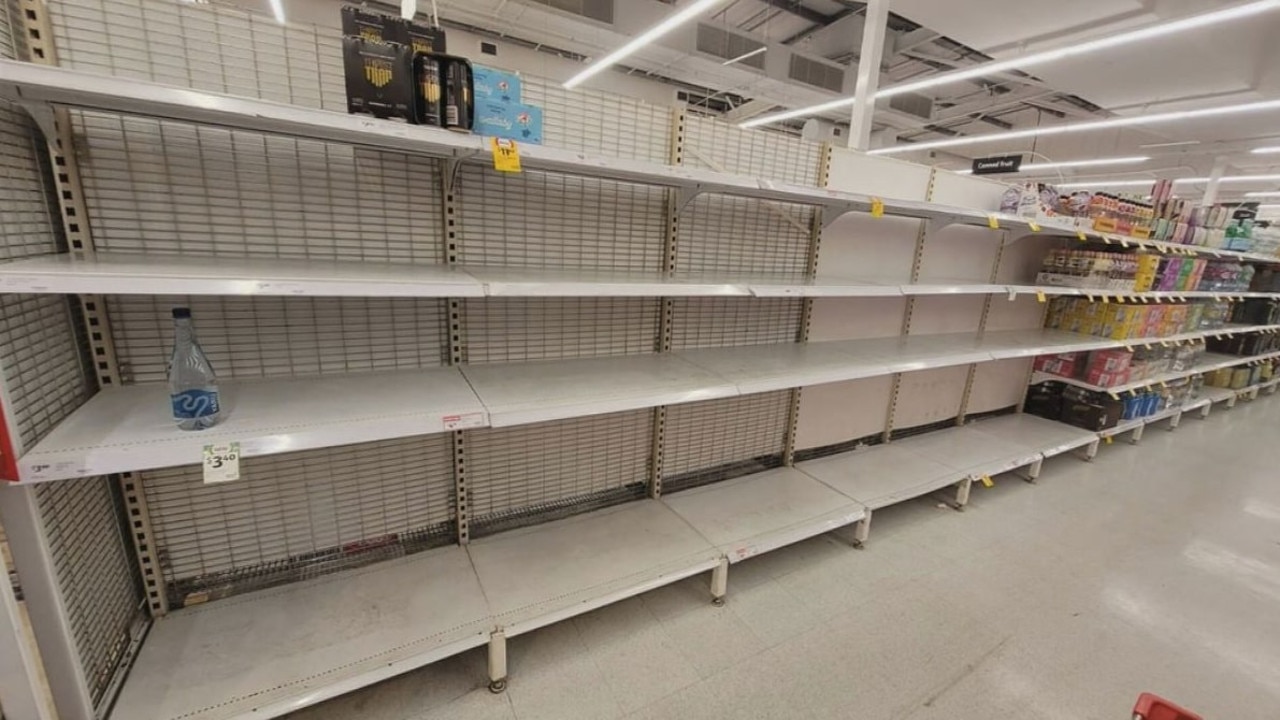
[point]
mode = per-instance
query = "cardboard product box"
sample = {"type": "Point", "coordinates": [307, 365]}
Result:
{"type": "Point", "coordinates": [1219, 378]}
{"type": "Point", "coordinates": [1107, 379]}
{"type": "Point", "coordinates": [1044, 400]}
{"type": "Point", "coordinates": [512, 121]}
{"type": "Point", "coordinates": [494, 85]}
{"type": "Point", "coordinates": [360, 23]}
{"type": "Point", "coordinates": [419, 38]}
{"type": "Point", "coordinates": [379, 79]}
{"type": "Point", "coordinates": [1108, 361]}
{"type": "Point", "coordinates": [1093, 411]}
{"type": "Point", "coordinates": [1062, 364]}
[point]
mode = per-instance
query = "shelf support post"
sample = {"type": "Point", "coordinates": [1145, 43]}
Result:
{"type": "Point", "coordinates": [816, 226]}
{"type": "Point", "coordinates": [55, 122]}
{"type": "Point", "coordinates": [923, 233]}
{"type": "Point", "coordinates": [456, 308]}
{"type": "Point", "coordinates": [982, 328]}
{"type": "Point", "coordinates": [675, 201]}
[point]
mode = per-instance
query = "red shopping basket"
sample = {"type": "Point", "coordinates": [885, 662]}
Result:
{"type": "Point", "coordinates": [1150, 707]}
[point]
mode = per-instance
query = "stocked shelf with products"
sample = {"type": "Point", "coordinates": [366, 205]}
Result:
{"type": "Point", "coordinates": [1208, 363]}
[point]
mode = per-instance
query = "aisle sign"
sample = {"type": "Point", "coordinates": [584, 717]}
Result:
{"type": "Point", "coordinates": [221, 462]}
{"type": "Point", "coordinates": [997, 165]}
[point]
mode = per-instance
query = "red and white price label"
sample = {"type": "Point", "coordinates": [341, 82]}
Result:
{"type": "Point", "coordinates": [464, 421]}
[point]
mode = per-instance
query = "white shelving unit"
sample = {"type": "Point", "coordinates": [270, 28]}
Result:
{"type": "Point", "coordinates": [270, 652]}
{"type": "Point", "coordinates": [757, 513]}
{"type": "Point", "coordinates": [705, 393]}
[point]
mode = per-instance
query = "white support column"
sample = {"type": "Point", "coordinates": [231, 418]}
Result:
{"type": "Point", "coordinates": [962, 493]}
{"type": "Point", "coordinates": [864, 106]}
{"type": "Point", "coordinates": [497, 661]}
{"type": "Point", "coordinates": [1215, 179]}
{"type": "Point", "coordinates": [720, 582]}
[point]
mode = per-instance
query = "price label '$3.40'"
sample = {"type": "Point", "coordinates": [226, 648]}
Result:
{"type": "Point", "coordinates": [221, 462]}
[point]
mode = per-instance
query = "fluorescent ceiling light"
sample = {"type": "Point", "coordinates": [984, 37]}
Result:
{"type": "Point", "coordinates": [1176, 181]}
{"type": "Point", "coordinates": [1096, 162]}
{"type": "Point", "coordinates": [277, 9]}
{"type": "Point", "coordinates": [1180, 143]}
{"type": "Point", "coordinates": [1266, 151]}
{"type": "Point", "coordinates": [1084, 126]}
{"type": "Point", "coordinates": [744, 56]}
{"type": "Point", "coordinates": [648, 36]}
{"type": "Point", "coordinates": [1195, 22]}
{"type": "Point", "coordinates": [1268, 193]}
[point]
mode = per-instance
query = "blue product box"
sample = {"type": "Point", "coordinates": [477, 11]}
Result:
{"type": "Point", "coordinates": [493, 85]}
{"type": "Point", "coordinates": [522, 123]}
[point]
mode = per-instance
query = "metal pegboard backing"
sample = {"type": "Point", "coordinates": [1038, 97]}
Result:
{"type": "Point", "coordinates": [165, 187]}
{"type": "Point", "coordinates": [95, 574]}
{"type": "Point", "coordinates": [520, 329]}
{"type": "Point", "coordinates": [537, 219]}
{"type": "Point", "coordinates": [720, 439]}
{"type": "Point", "coordinates": [599, 123]}
{"type": "Point", "coordinates": [725, 321]}
{"type": "Point", "coordinates": [999, 384]}
{"type": "Point", "coordinates": [252, 337]}
{"type": "Point", "coordinates": [532, 473]}
{"type": "Point", "coordinates": [719, 146]}
{"type": "Point", "coordinates": [840, 412]}
{"type": "Point", "coordinates": [204, 46]}
{"type": "Point", "coordinates": [42, 362]}
{"type": "Point", "coordinates": [299, 515]}
{"type": "Point", "coordinates": [27, 224]}
{"type": "Point", "coordinates": [735, 235]}
{"type": "Point", "coordinates": [929, 396]}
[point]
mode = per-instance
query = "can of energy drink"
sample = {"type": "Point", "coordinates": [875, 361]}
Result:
{"type": "Point", "coordinates": [459, 98]}
{"type": "Point", "coordinates": [427, 73]}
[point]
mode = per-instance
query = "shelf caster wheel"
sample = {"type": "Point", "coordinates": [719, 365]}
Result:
{"type": "Point", "coordinates": [497, 686]}
{"type": "Point", "coordinates": [718, 602]}
{"type": "Point", "coordinates": [859, 545]}
{"type": "Point", "coordinates": [958, 508]}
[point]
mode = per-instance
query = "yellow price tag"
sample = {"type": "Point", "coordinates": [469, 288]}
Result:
{"type": "Point", "coordinates": [993, 222]}
{"type": "Point", "coordinates": [506, 155]}
{"type": "Point", "coordinates": [987, 481]}
{"type": "Point", "coordinates": [1035, 227]}
{"type": "Point", "coordinates": [1081, 236]}
{"type": "Point", "coordinates": [1090, 298]}
{"type": "Point", "coordinates": [1123, 244]}
{"type": "Point", "coordinates": [1120, 299]}
{"type": "Point", "coordinates": [1163, 385]}
{"type": "Point", "coordinates": [1114, 396]}
{"type": "Point", "coordinates": [1108, 439]}
{"type": "Point", "coordinates": [877, 207]}
{"type": "Point", "coordinates": [1040, 295]}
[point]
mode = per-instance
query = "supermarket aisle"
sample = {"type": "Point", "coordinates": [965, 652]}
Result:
{"type": "Point", "coordinates": [1153, 568]}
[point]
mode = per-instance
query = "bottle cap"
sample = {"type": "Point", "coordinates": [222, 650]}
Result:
{"type": "Point", "coordinates": [180, 313]}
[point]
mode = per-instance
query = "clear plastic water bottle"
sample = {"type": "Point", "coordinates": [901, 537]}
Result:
{"type": "Point", "coordinates": [193, 388]}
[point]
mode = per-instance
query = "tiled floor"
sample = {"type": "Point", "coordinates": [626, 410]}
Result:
{"type": "Point", "coordinates": [1154, 568]}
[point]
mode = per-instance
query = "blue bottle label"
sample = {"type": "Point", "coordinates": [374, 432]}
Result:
{"type": "Point", "coordinates": [194, 404]}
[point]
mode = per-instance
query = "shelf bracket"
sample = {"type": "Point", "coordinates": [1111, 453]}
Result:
{"type": "Point", "coordinates": [686, 195]}
{"type": "Point", "coordinates": [43, 115]}
{"type": "Point", "coordinates": [450, 174]}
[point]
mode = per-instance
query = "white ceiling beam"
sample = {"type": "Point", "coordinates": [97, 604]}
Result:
{"type": "Point", "coordinates": [870, 56]}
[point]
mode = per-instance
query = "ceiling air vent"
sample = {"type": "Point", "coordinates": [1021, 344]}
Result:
{"type": "Point", "coordinates": [716, 41]}
{"type": "Point", "coordinates": [601, 10]}
{"type": "Point", "coordinates": [817, 74]}
{"type": "Point", "coordinates": [915, 104]}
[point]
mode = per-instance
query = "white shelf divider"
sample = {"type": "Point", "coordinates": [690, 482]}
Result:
{"type": "Point", "coordinates": [757, 513]}
{"type": "Point", "coordinates": [130, 428]}
{"type": "Point", "coordinates": [546, 573]}
{"type": "Point", "coordinates": [274, 651]}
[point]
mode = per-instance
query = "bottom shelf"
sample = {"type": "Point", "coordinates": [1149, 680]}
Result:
{"type": "Point", "coordinates": [762, 512]}
{"type": "Point", "coordinates": [1048, 436]}
{"type": "Point", "coordinates": [543, 574]}
{"type": "Point", "coordinates": [274, 651]}
{"type": "Point", "coordinates": [882, 475]}
{"type": "Point", "coordinates": [973, 452]}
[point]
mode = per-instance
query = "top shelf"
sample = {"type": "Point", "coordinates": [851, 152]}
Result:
{"type": "Point", "coordinates": [37, 87]}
